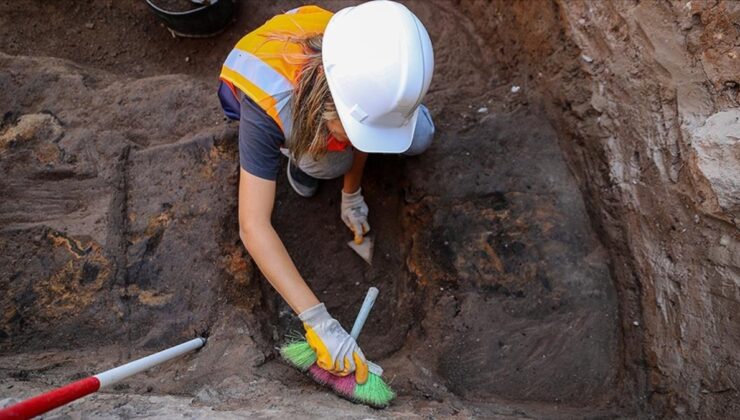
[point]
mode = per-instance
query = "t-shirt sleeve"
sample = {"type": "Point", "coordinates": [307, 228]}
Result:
{"type": "Point", "coordinates": [260, 139]}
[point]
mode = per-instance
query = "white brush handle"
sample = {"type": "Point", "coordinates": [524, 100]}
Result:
{"type": "Point", "coordinates": [115, 375]}
{"type": "Point", "coordinates": [367, 305]}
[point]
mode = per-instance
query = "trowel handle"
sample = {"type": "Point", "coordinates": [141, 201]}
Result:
{"type": "Point", "coordinates": [367, 305]}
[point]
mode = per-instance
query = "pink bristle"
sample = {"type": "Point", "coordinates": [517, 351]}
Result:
{"type": "Point", "coordinates": [344, 385]}
{"type": "Point", "coordinates": [320, 375]}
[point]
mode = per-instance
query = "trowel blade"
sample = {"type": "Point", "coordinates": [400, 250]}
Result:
{"type": "Point", "coordinates": [364, 250]}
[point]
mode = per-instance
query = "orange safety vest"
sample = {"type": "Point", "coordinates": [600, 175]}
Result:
{"type": "Point", "coordinates": [262, 68]}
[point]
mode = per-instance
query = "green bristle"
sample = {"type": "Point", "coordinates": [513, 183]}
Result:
{"type": "Point", "coordinates": [374, 392]}
{"type": "Point", "coordinates": [299, 354]}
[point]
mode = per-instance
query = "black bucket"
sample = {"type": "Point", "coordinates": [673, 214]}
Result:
{"type": "Point", "coordinates": [206, 20]}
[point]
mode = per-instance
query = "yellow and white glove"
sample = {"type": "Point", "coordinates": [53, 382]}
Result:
{"type": "Point", "coordinates": [336, 350]}
{"type": "Point", "coordinates": [354, 214]}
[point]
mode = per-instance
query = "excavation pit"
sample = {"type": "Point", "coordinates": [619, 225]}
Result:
{"type": "Point", "coordinates": [527, 262]}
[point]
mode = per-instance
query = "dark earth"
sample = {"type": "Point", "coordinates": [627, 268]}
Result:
{"type": "Point", "coordinates": [514, 282]}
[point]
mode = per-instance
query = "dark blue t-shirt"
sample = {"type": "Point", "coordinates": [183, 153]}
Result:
{"type": "Point", "coordinates": [260, 140]}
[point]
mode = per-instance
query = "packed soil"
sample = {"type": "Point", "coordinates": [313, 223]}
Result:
{"type": "Point", "coordinates": [118, 234]}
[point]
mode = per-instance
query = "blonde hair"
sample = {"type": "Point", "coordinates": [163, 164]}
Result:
{"type": "Point", "coordinates": [312, 104]}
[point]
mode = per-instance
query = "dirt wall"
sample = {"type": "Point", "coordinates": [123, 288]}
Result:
{"type": "Point", "coordinates": [644, 96]}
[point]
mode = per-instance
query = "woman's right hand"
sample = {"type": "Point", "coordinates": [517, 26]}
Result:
{"type": "Point", "coordinates": [336, 351]}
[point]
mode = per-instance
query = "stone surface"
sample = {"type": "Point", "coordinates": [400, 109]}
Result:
{"type": "Point", "coordinates": [715, 164]}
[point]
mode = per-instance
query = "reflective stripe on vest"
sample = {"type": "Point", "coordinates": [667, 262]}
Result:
{"type": "Point", "coordinates": [268, 88]}
{"type": "Point", "coordinates": [259, 66]}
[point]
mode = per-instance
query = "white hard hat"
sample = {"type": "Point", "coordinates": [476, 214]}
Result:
{"type": "Point", "coordinates": [379, 62]}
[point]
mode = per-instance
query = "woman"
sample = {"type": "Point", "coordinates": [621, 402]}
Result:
{"type": "Point", "coordinates": [324, 90]}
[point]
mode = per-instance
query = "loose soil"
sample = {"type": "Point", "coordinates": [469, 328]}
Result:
{"type": "Point", "coordinates": [120, 235]}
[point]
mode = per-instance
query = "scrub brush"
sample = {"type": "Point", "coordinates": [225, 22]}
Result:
{"type": "Point", "coordinates": [375, 392]}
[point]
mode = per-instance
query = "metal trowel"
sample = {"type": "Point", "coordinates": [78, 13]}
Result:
{"type": "Point", "coordinates": [363, 249]}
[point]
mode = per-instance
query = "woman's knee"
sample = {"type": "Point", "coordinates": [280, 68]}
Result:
{"type": "Point", "coordinates": [423, 133]}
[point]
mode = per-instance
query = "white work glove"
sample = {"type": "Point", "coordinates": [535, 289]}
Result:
{"type": "Point", "coordinates": [336, 351]}
{"type": "Point", "coordinates": [354, 214]}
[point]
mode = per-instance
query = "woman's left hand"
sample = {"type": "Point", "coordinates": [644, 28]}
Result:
{"type": "Point", "coordinates": [354, 214]}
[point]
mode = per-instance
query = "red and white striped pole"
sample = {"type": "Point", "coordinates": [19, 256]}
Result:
{"type": "Point", "coordinates": [56, 398]}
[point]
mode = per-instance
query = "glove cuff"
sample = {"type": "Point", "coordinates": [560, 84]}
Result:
{"type": "Point", "coordinates": [374, 369]}
{"type": "Point", "coordinates": [352, 198]}
{"type": "Point", "coordinates": [315, 315]}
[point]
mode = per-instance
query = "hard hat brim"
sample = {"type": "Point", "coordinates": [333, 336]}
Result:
{"type": "Point", "coordinates": [377, 139]}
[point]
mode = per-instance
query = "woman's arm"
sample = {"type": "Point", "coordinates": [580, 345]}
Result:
{"type": "Point", "coordinates": [336, 350]}
{"type": "Point", "coordinates": [256, 199]}
{"type": "Point", "coordinates": [353, 178]}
